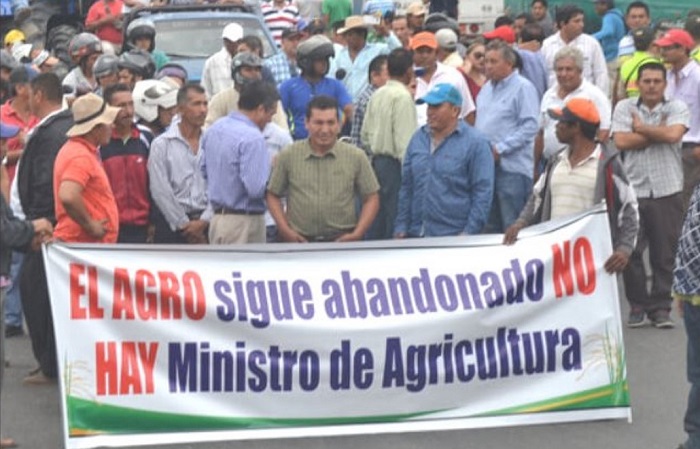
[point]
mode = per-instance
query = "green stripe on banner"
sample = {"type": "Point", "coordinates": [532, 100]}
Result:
{"type": "Point", "coordinates": [93, 418]}
{"type": "Point", "coordinates": [616, 395]}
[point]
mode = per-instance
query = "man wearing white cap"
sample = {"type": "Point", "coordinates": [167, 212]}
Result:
{"type": "Point", "coordinates": [447, 48]}
{"type": "Point", "coordinates": [86, 210]}
{"type": "Point", "coordinates": [216, 75]}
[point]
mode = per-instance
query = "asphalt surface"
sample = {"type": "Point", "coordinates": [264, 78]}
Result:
{"type": "Point", "coordinates": [656, 375]}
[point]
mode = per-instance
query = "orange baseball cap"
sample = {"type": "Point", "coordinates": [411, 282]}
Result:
{"type": "Point", "coordinates": [577, 110]}
{"type": "Point", "coordinates": [424, 39]}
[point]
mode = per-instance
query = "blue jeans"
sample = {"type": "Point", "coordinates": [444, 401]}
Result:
{"type": "Point", "coordinates": [511, 192]}
{"type": "Point", "coordinates": [691, 423]}
{"type": "Point", "coordinates": [13, 302]}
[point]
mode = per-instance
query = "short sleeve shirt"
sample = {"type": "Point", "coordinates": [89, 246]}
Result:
{"type": "Point", "coordinates": [78, 161]}
{"type": "Point", "coordinates": [321, 190]}
{"type": "Point", "coordinates": [655, 171]}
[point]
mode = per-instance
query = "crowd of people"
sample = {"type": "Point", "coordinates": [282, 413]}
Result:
{"type": "Point", "coordinates": [391, 124]}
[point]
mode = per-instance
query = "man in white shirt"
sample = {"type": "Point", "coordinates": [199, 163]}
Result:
{"type": "Point", "coordinates": [424, 46]}
{"type": "Point", "coordinates": [568, 65]}
{"type": "Point", "coordinates": [570, 23]}
{"type": "Point", "coordinates": [216, 75]}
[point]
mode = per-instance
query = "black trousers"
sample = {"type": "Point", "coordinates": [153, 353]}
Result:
{"type": "Point", "coordinates": [388, 172]}
{"type": "Point", "coordinates": [34, 291]}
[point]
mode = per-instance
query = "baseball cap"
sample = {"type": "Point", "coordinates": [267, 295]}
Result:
{"type": "Point", "coordinates": [441, 93]}
{"type": "Point", "coordinates": [290, 33]}
{"type": "Point", "coordinates": [503, 32]}
{"type": "Point", "coordinates": [416, 9]}
{"type": "Point", "coordinates": [676, 36]}
{"type": "Point", "coordinates": [8, 131]}
{"type": "Point", "coordinates": [576, 110]}
{"type": "Point", "coordinates": [643, 37]}
{"type": "Point", "coordinates": [424, 39]}
{"type": "Point", "coordinates": [446, 39]}
{"type": "Point", "coordinates": [23, 74]}
{"type": "Point", "coordinates": [232, 32]}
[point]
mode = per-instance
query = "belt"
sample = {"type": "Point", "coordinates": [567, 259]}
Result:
{"type": "Point", "coordinates": [226, 211]}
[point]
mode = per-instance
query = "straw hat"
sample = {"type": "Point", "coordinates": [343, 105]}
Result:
{"type": "Point", "coordinates": [354, 22]}
{"type": "Point", "coordinates": [89, 111]}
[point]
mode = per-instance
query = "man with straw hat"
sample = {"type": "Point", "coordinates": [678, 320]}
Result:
{"type": "Point", "coordinates": [86, 210]}
{"type": "Point", "coordinates": [351, 64]}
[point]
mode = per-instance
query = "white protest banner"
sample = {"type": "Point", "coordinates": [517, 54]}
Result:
{"type": "Point", "coordinates": [162, 344]}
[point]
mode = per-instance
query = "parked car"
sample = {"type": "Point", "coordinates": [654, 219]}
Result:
{"type": "Point", "coordinates": [190, 34]}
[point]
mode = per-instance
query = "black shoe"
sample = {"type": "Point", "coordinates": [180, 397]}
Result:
{"type": "Point", "coordinates": [13, 331]}
{"type": "Point", "coordinates": [661, 319]}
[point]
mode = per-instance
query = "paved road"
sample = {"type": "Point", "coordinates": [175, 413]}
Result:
{"type": "Point", "coordinates": [655, 362]}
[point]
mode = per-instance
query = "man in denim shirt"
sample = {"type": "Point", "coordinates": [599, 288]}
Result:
{"type": "Point", "coordinates": [447, 175]}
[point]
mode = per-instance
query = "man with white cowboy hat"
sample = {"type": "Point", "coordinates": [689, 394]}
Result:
{"type": "Point", "coordinates": [86, 210]}
{"type": "Point", "coordinates": [351, 64]}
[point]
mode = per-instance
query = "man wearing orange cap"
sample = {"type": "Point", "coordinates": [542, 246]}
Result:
{"type": "Point", "coordinates": [424, 46]}
{"type": "Point", "coordinates": [684, 84]}
{"type": "Point", "coordinates": [581, 175]}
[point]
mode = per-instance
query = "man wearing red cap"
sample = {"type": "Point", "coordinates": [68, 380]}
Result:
{"type": "Point", "coordinates": [648, 130]}
{"type": "Point", "coordinates": [581, 175]}
{"type": "Point", "coordinates": [503, 32]}
{"type": "Point", "coordinates": [684, 84]}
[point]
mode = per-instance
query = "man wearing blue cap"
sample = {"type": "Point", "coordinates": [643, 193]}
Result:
{"type": "Point", "coordinates": [447, 175]}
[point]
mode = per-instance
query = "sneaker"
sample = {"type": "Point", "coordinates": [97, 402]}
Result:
{"type": "Point", "coordinates": [38, 379]}
{"type": "Point", "coordinates": [637, 318]}
{"type": "Point", "coordinates": [13, 331]}
{"type": "Point", "coordinates": [662, 320]}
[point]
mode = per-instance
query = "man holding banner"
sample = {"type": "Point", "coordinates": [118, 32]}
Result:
{"type": "Point", "coordinates": [322, 178]}
{"type": "Point", "coordinates": [580, 176]}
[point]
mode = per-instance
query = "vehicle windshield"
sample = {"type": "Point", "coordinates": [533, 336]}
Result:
{"type": "Point", "coordinates": [201, 38]}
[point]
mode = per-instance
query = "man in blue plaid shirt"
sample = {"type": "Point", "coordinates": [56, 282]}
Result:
{"type": "Point", "coordinates": [378, 76]}
{"type": "Point", "coordinates": [686, 290]}
{"type": "Point", "coordinates": [283, 65]}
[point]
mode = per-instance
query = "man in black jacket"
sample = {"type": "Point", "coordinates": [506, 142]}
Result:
{"type": "Point", "coordinates": [16, 235]}
{"type": "Point", "coordinates": [35, 185]}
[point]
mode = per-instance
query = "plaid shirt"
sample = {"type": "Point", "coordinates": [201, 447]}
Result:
{"type": "Point", "coordinates": [686, 275]}
{"type": "Point", "coordinates": [359, 116]}
{"type": "Point", "coordinates": [281, 67]}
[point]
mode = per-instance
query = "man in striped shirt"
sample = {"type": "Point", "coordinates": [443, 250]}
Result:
{"type": "Point", "coordinates": [278, 16]}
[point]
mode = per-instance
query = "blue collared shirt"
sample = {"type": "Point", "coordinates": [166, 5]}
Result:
{"type": "Point", "coordinates": [296, 93]}
{"type": "Point", "coordinates": [235, 164]}
{"type": "Point", "coordinates": [357, 71]}
{"type": "Point", "coordinates": [508, 112]}
{"type": "Point", "coordinates": [535, 70]}
{"type": "Point", "coordinates": [447, 191]}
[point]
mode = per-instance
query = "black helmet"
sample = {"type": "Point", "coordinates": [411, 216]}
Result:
{"type": "Point", "coordinates": [7, 61]}
{"type": "Point", "coordinates": [139, 28]}
{"type": "Point", "coordinates": [243, 59]}
{"type": "Point", "coordinates": [139, 62]}
{"type": "Point", "coordinates": [105, 65]}
{"type": "Point", "coordinates": [83, 45]}
{"type": "Point", "coordinates": [317, 47]}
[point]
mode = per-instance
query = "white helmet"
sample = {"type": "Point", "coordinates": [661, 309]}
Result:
{"type": "Point", "coordinates": [149, 94]}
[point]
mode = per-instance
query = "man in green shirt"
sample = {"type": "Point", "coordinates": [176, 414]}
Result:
{"type": "Point", "coordinates": [626, 86]}
{"type": "Point", "coordinates": [321, 177]}
{"type": "Point", "coordinates": [389, 123]}
{"type": "Point", "coordinates": [335, 11]}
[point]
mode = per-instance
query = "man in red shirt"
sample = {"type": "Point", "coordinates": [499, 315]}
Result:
{"type": "Point", "coordinates": [104, 18]}
{"type": "Point", "coordinates": [86, 210]}
{"type": "Point", "coordinates": [16, 112]}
